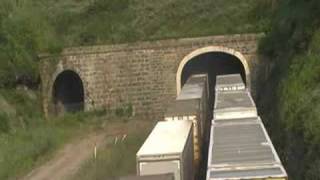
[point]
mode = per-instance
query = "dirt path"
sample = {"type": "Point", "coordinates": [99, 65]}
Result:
{"type": "Point", "coordinates": [67, 161]}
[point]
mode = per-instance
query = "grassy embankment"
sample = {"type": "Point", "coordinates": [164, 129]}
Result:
{"type": "Point", "coordinates": [33, 26]}
{"type": "Point", "coordinates": [290, 102]}
{"type": "Point", "coordinates": [116, 159]}
{"type": "Point", "coordinates": [27, 139]}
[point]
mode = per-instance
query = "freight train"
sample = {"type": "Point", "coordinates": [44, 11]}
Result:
{"type": "Point", "coordinates": [232, 145]}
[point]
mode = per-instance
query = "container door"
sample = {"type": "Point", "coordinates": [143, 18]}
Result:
{"type": "Point", "coordinates": [160, 167]}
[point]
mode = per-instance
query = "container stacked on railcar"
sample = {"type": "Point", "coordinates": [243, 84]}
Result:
{"type": "Point", "coordinates": [229, 82]}
{"type": "Point", "coordinates": [232, 99]}
{"type": "Point", "coordinates": [234, 104]}
{"type": "Point", "coordinates": [168, 149]}
{"type": "Point", "coordinates": [240, 147]}
{"type": "Point", "coordinates": [192, 105]}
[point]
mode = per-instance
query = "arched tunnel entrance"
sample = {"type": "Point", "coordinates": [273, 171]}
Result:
{"type": "Point", "coordinates": [213, 61]}
{"type": "Point", "coordinates": [68, 93]}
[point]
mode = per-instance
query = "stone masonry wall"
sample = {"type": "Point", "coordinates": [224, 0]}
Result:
{"type": "Point", "coordinates": [142, 74]}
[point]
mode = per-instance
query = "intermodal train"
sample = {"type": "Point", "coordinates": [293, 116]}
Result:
{"type": "Point", "coordinates": [233, 145]}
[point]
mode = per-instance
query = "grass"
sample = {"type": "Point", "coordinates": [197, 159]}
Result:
{"type": "Point", "coordinates": [115, 160]}
{"type": "Point", "coordinates": [20, 151]}
{"type": "Point", "coordinates": [30, 27]}
{"type": "Point", "coordinates": [290, 97]}
{"type": "Point", "coordinates": [27, 139]}
{"type": "Point", "coordinates": [118, 21]}
{"type": "Point", "coordinates": [299, 113]}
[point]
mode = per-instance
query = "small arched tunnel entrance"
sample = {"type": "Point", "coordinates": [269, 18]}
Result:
{"type": "Point", "coordinates": [213, 63]}
{"type": "Point", "coordinates": [68, 93]}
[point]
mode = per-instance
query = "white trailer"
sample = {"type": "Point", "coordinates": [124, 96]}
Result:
{"type": "Point", "coordinates": [192, 105]}
{"type": "Point", "coordinates": [168, 149]}
{"type": "Point", "coordinates": [242, 149]}
{"type": "Point", "coordinates": [229, 82]}
{"type": "Point", "coordinates": [188, 111]}
{"type": "Point", "coordinates": [195, 80]}
{"type": "Point", "coordinates": [234, 105]}
{"type": "Point", "coordinates": [197, 89]}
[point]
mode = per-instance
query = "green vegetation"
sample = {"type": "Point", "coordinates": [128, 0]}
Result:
{"type": "Point", "coordinates": [115, 160]}
{"type": "Point", "coordinates": [291, 100]}
{"type": "Point", "coordinates": [24, 31]}
{"type": "Point", "coordinates": [26, 138]}
{"type": "Point", "coordinates": [30, 27]}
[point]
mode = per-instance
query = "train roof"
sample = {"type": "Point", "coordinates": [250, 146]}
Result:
{"type": "Point", "coordinates": [229, 82]}
{"type": "Point", "coordinates": [255, 173]}
{"type": "Point", "coordinates": [167, 137]}
{"type": "Point", "coordinates": [233, 99]}
{"type": "Point", "coordinates": [194, 87]}
{"type": "Point", "coordinates": [242, 148]}
{"type": "Point", "coordinates": [197, 78]}
{"type": "Point", "coordinates": [183, 108]}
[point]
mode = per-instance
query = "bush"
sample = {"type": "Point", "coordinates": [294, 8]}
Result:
{"type": "Point", "coordinates": [314, 171]}
{"type": "Point", "coordinates": [24, 31]}
{"type": "Point", "coordinates": [124, 110]}
{"type": "Point", "coordinates": [293, 46]}
{"type": "Point", "coordinates": [4, 123]}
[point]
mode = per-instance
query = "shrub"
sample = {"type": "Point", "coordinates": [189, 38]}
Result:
{"type": "Point", "coordinates": [4, 123]}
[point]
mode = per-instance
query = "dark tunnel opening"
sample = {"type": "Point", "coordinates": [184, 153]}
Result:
{"type": "Point", "coordinates": [213, 63]}
{"type": "Point", "coordinates": [68, 93]}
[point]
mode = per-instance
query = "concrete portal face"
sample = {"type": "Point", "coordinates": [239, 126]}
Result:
{"type": "Point", "coordinates": [144, 75]}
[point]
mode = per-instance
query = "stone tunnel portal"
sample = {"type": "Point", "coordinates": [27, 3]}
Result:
{"type": "Point", "coordinates": [212, 62]}
{"type": "Point", "coordinates": [68, 93]}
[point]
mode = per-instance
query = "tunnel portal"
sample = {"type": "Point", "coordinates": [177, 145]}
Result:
{"type": "Point", "coordinates": [213, 63]}
{"type": "Point", "coordinates": [68, 93]}
{"type": "Point", "coordinates": [146, 75]}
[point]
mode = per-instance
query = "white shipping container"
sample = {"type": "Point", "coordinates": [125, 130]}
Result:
{"type": "Point", "coordinates": [229, 82]}
{"type": "Point", "coordinates": [168, 149]}
{"type": "Point", "coordinates": [242, 149]}
{"type": "Point", "coordinates": [192, 104]}
{"type": "Point", "coordinates": [234, 105]}
{"type": "Point", "coordinates": [188, 110]}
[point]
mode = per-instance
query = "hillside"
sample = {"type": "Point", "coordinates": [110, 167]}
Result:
{"type": "Point", "coordinates": [289, 103]}
{"type": "Point", "coordinates": [33, 26]}
{"type": "Point", "coordinates": [29, 27]}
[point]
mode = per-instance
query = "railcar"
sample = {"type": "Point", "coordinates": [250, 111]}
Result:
{"type": "Point", "coordinates": [192, 105]}
{"type": "Point", "coordinates": [234, 104]}
{"type": "Point", "coordinates": [229, 82]}
{"type": "Point", "coordinates": [242, 149]}
{"type": "Point", "coordinates": [168, 149]}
